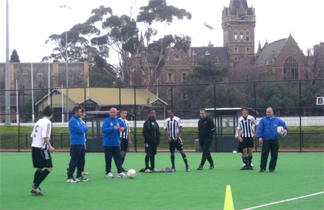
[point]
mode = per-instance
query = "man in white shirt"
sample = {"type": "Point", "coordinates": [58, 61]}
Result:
{"type": "Point", "coordinates": [125, 139]}
{"type": "Point", "coordinates": [41, 150]}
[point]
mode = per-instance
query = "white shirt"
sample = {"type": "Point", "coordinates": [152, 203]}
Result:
{"type": "Point", "coordinates": [246, 126]}
{"type": "Point", "coordinates": [172, 126]}
{"type": "Point", "coordinates": [42, 129]}
{"type": "Point", "coordinates": [125, 133]}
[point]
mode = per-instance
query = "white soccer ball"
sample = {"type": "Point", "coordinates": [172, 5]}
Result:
{"type": "Point", "coordinates": [234, 151]}
{"type": "Point", "coordinates": [131, 173]}
{"type": "Point", "coordinates": [280, 130]}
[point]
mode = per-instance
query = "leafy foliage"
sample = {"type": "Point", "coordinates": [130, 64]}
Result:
{"type": "Point", "coordinates": [14, 57]}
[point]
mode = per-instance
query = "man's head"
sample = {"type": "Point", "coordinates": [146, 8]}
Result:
{"type": "Point", "coordinates": [83, 113]}
{"type": "Point", "coordinates": [123, 114]}
{"type": "Point", "coordinates": [245, 111]}
{"type": "Point", "coordinates": [269, 112]}
{"type": "Point", "coordinates": [48, 112]}
{"type": "Point", "coordinates": [203, 113]}
{"type": "Point", "coordinates": [170, 113]}
{"type": "Point", "coordinates": [77, 111]}
{"type": "Point", "coordinates": [152, 114]}
{"type": "Point", "coordinates": [113, 113]}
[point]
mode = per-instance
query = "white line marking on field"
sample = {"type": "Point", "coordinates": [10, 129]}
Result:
{"type": "Point", "coordinates": [282, 201]}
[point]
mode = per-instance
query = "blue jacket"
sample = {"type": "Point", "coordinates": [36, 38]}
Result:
{"type": "Point", "coordinates": [111, 136]}
{"type": "Point", "coordinates": [77, 131]}
{"type": "Point", "coordinates": [267, 128]}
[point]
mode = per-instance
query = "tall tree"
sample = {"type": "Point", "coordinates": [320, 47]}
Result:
{"type": "Point", "coordinates": [14, 57]}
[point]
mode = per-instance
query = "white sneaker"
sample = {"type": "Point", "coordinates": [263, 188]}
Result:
{"type": "Point", "coordinates": [110, 175]}
{"type": "Point", "coordinates": [148, 170]}
{"type": "Point", "coordinates": [71, 180]}
{"type": "Point", "coordinates": [155, 170]}
{"type": "Point", "coordinates": [121, 175]}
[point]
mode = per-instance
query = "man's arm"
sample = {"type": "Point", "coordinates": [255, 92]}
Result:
{"type": "Point", "coordinates": [74, 126]}
{"type": "Point", "coordinates": [260, 131]}
{"type": "Point", "coordinates": [105, 128]}
{"type": "Point", "coordinates": [212, 129]}
{"type": "Point", "coordinates": [178, 134]}
{"type": "Point", "coordinates": [50, 148]}
{"type": "Point", "coordinates": [167, 134]}
{"type": "Point", "coordinates": [239, 135]}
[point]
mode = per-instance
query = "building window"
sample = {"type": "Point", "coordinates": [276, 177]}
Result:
{"type": "Point", "coordinates": [235, 36]}
{"type": "Point", "coordinates": [241, 35]}
{"type": "Point", "coordinates": [290, 68]}
{"type": "Point", "coordinates": [247, 36]}
{"type": "Point", "coordinates": [235, 49]}
{"type": "Point", "coordinates": [235, 59]}
{"type": "Point", "coordinates": [170, 77]}
{"type": "Point", "coordinates": [247, 49]}
{"type": "Point", "coordinates": [207, 53]}
{"type": "Point", "coordinates": [184, 76]}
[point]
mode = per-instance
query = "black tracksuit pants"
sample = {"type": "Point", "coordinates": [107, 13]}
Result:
{"type": "Point", "coordinates": [268, 145]}
{"type": "Point", "coordinates": [205, 145]}
{"type": "Point", "coordinates": [77, 153]}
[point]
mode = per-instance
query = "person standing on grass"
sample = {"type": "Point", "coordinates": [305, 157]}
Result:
{"type": "Point", "coordinates": [125, 138]}
{"type": "Point", "coordinates": [245, 135]}
{"type": "Point", "coordinates": [77, 130]}
{"type": "Point", "coordinates": [84, 172]}
{"type": "Point", "coordinates": [41, 149]}
{"type": "Point", "coordinates": [206, 130]}
{"type": "Point", "coordinates": [269, 138]}
{"type": "Point", "coordinates": [111, 128]}
{"type": "Point", "coordinates": [173, 130]}
{"type": "Point", "coordinates": [151, 135]}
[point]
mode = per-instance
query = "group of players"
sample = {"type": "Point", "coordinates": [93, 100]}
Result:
{"type": "Point", "coordinates": [117, 139]}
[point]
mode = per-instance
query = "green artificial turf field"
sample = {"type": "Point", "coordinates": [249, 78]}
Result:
{"type": "Point", "coordinates": [296, 175]}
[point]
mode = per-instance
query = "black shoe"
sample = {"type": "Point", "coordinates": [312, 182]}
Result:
{"type": "Point", "coordinates": [272, 170]}
{"type": "Point", "coordinates": [187, 169]}
{"type": "Point", "coordinates": [36, 191]}
{"type": "Point", "coordinates": [244, 168]}
{"type": "Point", "coordinates": [251, 167]}
{"type": "Point", "coordinates": [262, 170]}
{"type": "Point", "coordinates": [173, 169]}
{"type": "Point", "coordinates": [200, 167]}
{"type": "Point", "coordinates": [124, 170]}
{"type": "Point", "coordinates": [212, 167]}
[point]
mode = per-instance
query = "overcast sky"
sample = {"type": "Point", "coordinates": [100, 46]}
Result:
{"type": "Point", "coordinates": [32, 22]}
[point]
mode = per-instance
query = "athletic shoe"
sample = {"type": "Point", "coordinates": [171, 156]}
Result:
{"type": "Point", "coordinates": [154, 170]}
{"type": "Point", "coordinates": [187, 169]}
{"type": "Point", "coordinates": [82, 179]}
{"type": "Point", "coordinates": [71, 180]}
{"type": "Point", "coordinates": [121, 175]}
{"type": "Point", "coordinates": [124, 170]}
{"type": "Point", "coordinates": [110, 175]}
{"type": "Point", "coordinates": [36, 191]}
{"type": "Point", "coordinates": [262, 170]}
{"type": "Point", "coordinates": [148, 170]}
{"type": "Point", "coordinates": [212, 167]}
{"type": "Point", "coordinates": [84, 172]}
{"type": "Point", "coordinates": [272, 170]}
{"type": "Point", "coordinates": [173, 169]}
{"type": "Point", "coordinates": [244, 168]}
{"type": "Point", "coordinates": [200, 167]}
{"type": "Point", "coordinates": [251, 167]}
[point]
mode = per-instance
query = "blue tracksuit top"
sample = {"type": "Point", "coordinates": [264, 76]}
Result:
{"type": "Point", "coordinates": [111, 136]}
{"type": "Point", "coordinates": [267, 128]}
{"type": "Point", "coordinates": [77, 131]}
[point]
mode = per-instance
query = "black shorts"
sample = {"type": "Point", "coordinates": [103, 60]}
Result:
{"type": "Point", "coordinates": [123, 144]}
{"type": "Point", "coordinates": [175, 144]}
{"type": "Point", "coordinates": [41, 158]}
{"type": "Point", "coordinates": [247, 142]}
{"type": "Point", "coordinates": [150, 148]}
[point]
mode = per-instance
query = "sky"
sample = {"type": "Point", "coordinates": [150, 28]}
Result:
{"type": "Point", "coordinates": [32, 22]}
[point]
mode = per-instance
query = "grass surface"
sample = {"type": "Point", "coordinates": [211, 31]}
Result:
{"type": "Point", "coordinates": [296, 175]}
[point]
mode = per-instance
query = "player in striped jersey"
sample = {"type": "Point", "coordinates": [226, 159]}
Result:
{"type": "Point", "coordinates": [245, 131]}
{"type": "Point", "coordinates": [173, 130]}
{"type": "Point", "coordinates": [125, 138]}
{"type": "Point", "coordinates": [41, 150]}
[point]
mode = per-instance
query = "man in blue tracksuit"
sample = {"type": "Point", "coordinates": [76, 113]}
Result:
{"type": "Point", "coordinates": [77, 130]}
{"type": "Point", "coordinates": [269, 138]}
{"type": "Point", "coordinates": [111, 128]}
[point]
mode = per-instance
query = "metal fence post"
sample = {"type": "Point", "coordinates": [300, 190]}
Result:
{"type": "Point", "coordinates": [61, 141]}
{"type": "Point", "coordinates": [254, 93]}
{"type": "Point", "coordinates": [135, 124]}
{"type": "Point", "coordinates": [26, 139]}
{"type": "Point", "coordinates": [18, 122]}
{"type": "Point", "coordinates": [300, 119]}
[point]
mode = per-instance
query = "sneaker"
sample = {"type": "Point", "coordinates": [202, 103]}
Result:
{"type": "Point", "coordinates": [84, 172]}
{"type": "Point", "coordinates": [121, 175]}
{"type": "Point", "coordinates": [148, 170]}
{"type": "Point", "coordinates": [244, 167]}
{"type": "Point", "coordinates": [272, 170]}
{"type": "Point", "coordinates": [154, 170]}
{"type": "Point", "coordinates": [251, 167]}
{"type": "Point", "coordinates": [262, 170]}
{"type": "Point", "coordinates": [36, 191]}
{"type": "Point", "coordinates": [82, 179]}
{"type": "Point", "coordinates": [212, 167]}
{"type": "Point", "coordinates": [71, 180]}
{"type": "Point", "coordinates": [124, 170]}
{"type": "Point", "coordinates": [110, 175]}
{"type": "Point", "coordinates": [187, 169]}
{"type": "Point", "coordinates": [200, 167]}
{"type": "Point", "coordinates": [173, 169]}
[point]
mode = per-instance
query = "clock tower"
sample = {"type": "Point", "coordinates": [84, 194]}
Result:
{"type": "Point", "coordinates": [238, 23]}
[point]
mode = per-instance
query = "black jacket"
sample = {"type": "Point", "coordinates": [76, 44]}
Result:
{"type": "Point", "coordinates": [151, 131]}
{"type": "Point", "coordinates": [206, 129]}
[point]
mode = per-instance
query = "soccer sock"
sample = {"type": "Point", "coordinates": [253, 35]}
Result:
{"type": "Point", "coordinates": [245, 160]}
{"type": "Point", "coordinates": [152, 162]}
{"type": "Point", "coordinates": [172, 160]}
{"type": "Point", "coordinates": [184, 157]}
{"type": "Point", "coordinates": [242, 158]}
{"type": "Point", "coordinates": [250, 159]}
{"type": "Point", "coordinates": [122, 160]}
{"type": "Point", "coordinates": [42, 177]}
{"type": "Point", "coordinates": [147, 161]}
{"type": "Point", "coordinates": [36, 175]}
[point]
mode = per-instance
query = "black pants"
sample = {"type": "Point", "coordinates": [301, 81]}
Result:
{"type": "Point", "coordinates": [113, 152]}
{"type": "Point", "coordinates": [205, 145]}
{"type": "Point", "coordinates": [77, 153]}
{"type": "Point", "coordinates": [268, 145]}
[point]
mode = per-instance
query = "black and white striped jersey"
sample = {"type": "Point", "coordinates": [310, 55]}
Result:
{"type": "Point", "coordinates": [172, 126]}
{"type": "Point", "coordinates": [41, 130]}
{"type": "Point", "coordinates": [126, 132]}
{"type": "Point", "coordinates": [246, 126]}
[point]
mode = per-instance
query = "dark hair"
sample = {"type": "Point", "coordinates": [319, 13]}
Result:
{"type": "Point", "coordinates": [202, 109]}
{"type": "Point", "coordinates": [76, 109]}
{"type": "Point", "coordinates": [48, 111]}
{"type": "Point", "coordinates": [83, 110]}
{"type": "Point", "coordinates": [123, 110]}
{"type": "Point", "coordinates": [170, 110]}
{"type": "Point", "coordinates": [151, 110]}
{"type": "Point", "coordinates": [244, 107]}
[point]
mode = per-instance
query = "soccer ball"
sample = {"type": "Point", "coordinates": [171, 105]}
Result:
{"type": "Point", "coordinates": [280, 130]}
{"type": "Point", "coordinates": [131, 173]}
